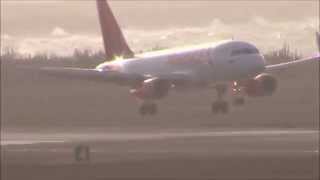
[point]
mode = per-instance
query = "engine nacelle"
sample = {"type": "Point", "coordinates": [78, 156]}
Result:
{"type": "Point", "coordinates": [261, 85]}
{"type": "Point", "coordinates": [152, 89]}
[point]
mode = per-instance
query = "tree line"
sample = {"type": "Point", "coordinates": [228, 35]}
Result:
{"type": "Point", "coordinates": [88, 58]}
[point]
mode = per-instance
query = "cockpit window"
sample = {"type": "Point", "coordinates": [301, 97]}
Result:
{"type": "Point", "coordinates": [244, 51]}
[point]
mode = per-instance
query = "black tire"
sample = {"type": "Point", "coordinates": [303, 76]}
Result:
{"type": "Point", "coordinates": [214, 108]}
{"type": "Point", "coordinates": [239, 101]}
{"type": "Point", "coordinates": [220, 107]}
{"type": "Point", "coordinates": [146, 109]}
{"type": "Point", "coordinates": [153, 109]}
{"type": "Point", "coordinates": [224, 107]}
{"type": "Point", "coordinates": [143, 110]}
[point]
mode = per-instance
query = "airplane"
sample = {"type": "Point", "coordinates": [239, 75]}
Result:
{"type": "Point", "coordinates": [227, 66]}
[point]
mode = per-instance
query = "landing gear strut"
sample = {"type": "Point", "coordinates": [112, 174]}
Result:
{"type": "Point", "coordinates": [148, 109]}
{"type": "Point", "coordinates": [238, 93]}
{"type": "Point", "coordinates": [220, 106]}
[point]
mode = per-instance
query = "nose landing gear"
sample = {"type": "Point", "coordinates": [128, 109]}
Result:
{"type": "Point", "coordinates": [238, 93]}
{"type": "Point", "coordinates": [220, 106]}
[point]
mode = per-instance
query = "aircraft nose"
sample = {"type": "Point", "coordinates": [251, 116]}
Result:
{"type": "Point", "coordinates": [256, 64]}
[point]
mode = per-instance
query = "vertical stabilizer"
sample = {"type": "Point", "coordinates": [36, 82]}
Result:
{"type": "Point", "coordinates": [113, 39]}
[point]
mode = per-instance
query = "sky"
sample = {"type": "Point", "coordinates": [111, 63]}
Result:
{"type": "Point", "coordinates": [60, 26]}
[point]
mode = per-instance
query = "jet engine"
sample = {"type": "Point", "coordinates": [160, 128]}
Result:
{"type": "Point", "coordinates": [152, 89]}
{"type": "Point", "coordinates": [261, 85]}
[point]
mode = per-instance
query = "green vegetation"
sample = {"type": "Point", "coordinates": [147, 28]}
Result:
{"type": "Point", "coordinates": [282, 55]}
{"type": "Point", "coordinates": [88, 58]}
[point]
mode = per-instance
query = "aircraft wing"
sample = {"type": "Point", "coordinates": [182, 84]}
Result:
{"type": "Point", "coordinates": [90, 74]}
{"type": "Point", "coordinates": [299, 61]}
{"type": "Point", "coordinates": [177, 78]}
{"type": "Point", "coordinates": [292, 63]}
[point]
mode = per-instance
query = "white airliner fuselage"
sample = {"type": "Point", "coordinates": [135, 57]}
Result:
{"type": "Point", "coordinates": [223, 61]}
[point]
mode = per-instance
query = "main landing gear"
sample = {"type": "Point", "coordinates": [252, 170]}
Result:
{"type": "Point", "coordinates": [148, 109]}
{"type": "Point", "coordinates": [220, 106]}
{"type": "Point", "coordinates": [238, 101]}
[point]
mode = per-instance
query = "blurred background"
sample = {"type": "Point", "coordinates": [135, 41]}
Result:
{"type": "Point", "coordinates": [58, 27]}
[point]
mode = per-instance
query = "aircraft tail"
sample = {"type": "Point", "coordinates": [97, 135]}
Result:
{"type": "Point", "coordinates": [114, 42]}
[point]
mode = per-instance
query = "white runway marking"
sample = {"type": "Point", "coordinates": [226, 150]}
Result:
{"type": "Point", "coordinates": [25, 142]}
{"type": "Point", "coordinates": [22, 138]}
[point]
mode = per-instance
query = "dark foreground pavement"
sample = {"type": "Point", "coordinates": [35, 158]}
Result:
{"type": "Point", "coordinates": [225, 154]}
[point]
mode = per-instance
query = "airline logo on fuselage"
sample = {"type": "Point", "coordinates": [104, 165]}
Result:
{"type": "Point", "coordinates": [191, 58]}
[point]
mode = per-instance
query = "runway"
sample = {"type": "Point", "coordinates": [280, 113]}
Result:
{"type": "Point", "coordinates": [188, 154]}
{"type": "Point", "coordinates": [34, 138]}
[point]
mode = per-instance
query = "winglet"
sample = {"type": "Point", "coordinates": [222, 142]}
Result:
{"type": "Point", "coordinates": [114, 42]}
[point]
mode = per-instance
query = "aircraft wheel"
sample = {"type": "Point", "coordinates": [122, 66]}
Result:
{"type": "Point", "coordinates": [224, 107]}
{"type": "Point", "coordinates": [220, 107]}
{"type": "Point", "coordinates": [214, 108]}
{"type": "Point", "coordinates": [146, 109]}
{"type": "Point", "coordinates": [239, 101]}
{"type": "Point", "coordinates": [143, 110]}
{"type": "Point", "coordinates": [153, 109]}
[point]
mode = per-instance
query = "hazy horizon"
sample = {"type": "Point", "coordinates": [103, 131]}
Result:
{"type": "Point", "coordinates": [59, 26]}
